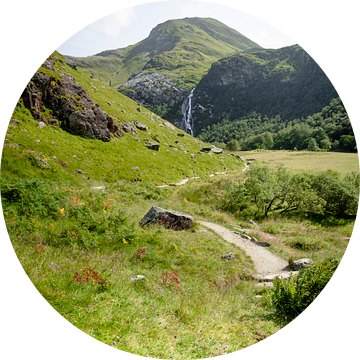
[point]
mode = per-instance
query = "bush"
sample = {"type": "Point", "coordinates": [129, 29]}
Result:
{"type": "Point", "coordinates": [292, 296]}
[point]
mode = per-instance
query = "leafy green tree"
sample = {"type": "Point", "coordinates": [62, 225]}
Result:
{"type": "Point", "coordinates": [232, 145]}
{"type": "Point", "coordinates": [325, 144]}
{"type": "Point", "coordinates": [312, 145]}
{"type": "Point", "coordinates": [348, 143]}
{"type": "Point", "coordinates": [268, 140]}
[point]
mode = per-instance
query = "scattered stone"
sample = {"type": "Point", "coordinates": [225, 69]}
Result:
{"type": "Point", "coordinates": [206, 148]}
{"type": "Point", "coordinates": [238, 157]}
{"type": "Point", "coordinates": [43, 162]}
{"type": "Point", "coordinates": [99, 188]}
{"type": "Point", "coordinates": [260, 243]}
{"type": "Point", "coordinates": [62, 164]}
{"type": "Point", "coordinates": [108, 102]}
{"type": "Point", "coordinates": [228, 256]}
{"type": "Point", "coordinates": [137, 277]}
{"type": "Point", "coordinates": [246, 237]}
{"type": "Point", "coordinates": [37, 141]}
{"type": "Point", "coordinates": [302, 263]}
{"type": "Point", "coordinates": [168, 218]}
{"type": "Point", "coordinates": [216, 150]}
{"type": "Point", "coordinates": [136, 168]}
{"type": "Point", "coordinates": [180, 134]}
{"type": "Point", "coordinates": [153, 146]}
{"type": "Point", "coordinates": [6, 140]}
{"type": "Point", "coordinates": [170, 126]}
{"type": "Point", "coordinates": [140, 126]}
{"type": "Point", "coordinates": [41, 124]}
{"type": "Point", "coordinates": [80, 171]}
{"type": "Point", "coordinates": [15, 121]}
{"type": "Point", "coordinates": [253, 223]}
{"type": "Point", "coordinates": [129, 129]}
{"type": "Point", "coordinates": [138, 109]}
{"type": "Point", "coordinates": [140, 193]}
{"type": "Point", "coordinates": [94, 87]}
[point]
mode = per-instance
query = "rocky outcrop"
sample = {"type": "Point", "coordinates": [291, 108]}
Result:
{"type": "Point", "coordinates": [152, 88]}
{"type": "Point", "coordinates": [70, 105]}
{"type": "Point", "coordinates": [168, 218]}
{"type": "Point", "coordinates": [301, 264]}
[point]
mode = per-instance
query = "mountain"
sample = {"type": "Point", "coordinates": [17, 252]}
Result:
{"type": "Point", "coordinates": [69, 127]}
{"type": "Point", "coordinates": [285, 82]}
{"type": "Point", "coordinates": [161, 70]}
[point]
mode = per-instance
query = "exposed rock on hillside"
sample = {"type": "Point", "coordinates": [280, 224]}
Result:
{"type": "Point", "coordinates": [69, 105]}
{"type": "Point", "coordinates": [151, 88]}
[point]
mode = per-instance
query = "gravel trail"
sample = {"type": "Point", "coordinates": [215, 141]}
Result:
{"type": "Point", "coordinates": [265, 262]}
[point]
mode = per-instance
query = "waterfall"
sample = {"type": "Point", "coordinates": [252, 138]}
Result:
{"type": "Point", "coordinates": [187, 122]}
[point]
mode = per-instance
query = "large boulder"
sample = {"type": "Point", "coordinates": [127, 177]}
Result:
{"type": "Point", "coordinates": [168, 218]}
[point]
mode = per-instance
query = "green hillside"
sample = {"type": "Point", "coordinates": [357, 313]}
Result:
{"type": "Point", "coordinates": [106, 162]}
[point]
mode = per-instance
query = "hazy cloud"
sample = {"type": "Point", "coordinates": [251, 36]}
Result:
{"type": "Point", "coordinates": [112, 24]}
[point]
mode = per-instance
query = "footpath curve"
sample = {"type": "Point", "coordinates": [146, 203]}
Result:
{"type": "Point", "coordinates": [265, 261]}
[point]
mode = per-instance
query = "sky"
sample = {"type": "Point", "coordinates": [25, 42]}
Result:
{"type": "Point", "coordinates": [129, 26]}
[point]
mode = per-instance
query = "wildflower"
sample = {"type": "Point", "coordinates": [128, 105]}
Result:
{"type": "Point", "coordinates": [114, 343]}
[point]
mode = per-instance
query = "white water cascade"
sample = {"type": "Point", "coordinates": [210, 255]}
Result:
{"type": "Point", "coordinates": [187, 121]}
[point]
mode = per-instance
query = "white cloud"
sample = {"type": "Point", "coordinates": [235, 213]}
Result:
{"type": "Point", "coordinates": [112, 24]}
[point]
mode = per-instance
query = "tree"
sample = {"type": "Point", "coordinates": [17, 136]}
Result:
{"type": "Point", "coordinates": [268, 140]}
{"type": "Point", "coordinates": [325, 144]}
{"type": "Point", "coordinates": [233, 145]}
{"type": "Point", "coordinates": [312, 145]}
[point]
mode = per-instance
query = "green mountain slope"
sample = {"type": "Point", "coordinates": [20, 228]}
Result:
{"type": "Point", "coordinates": [53, 151]}
{"type": "Point", "coordinates": [186, 47]}
{"type": "Point", "coordinates": [285, 82]}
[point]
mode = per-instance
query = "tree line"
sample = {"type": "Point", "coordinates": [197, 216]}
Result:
{"type": "Point", "coordinates": [278, 191]}
{"type": "Point", "coordinates": [327, 130]}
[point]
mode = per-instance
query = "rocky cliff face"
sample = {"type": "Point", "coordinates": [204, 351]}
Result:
{"type": "Point", "coordinates": [153, 88]}
{"type": "Point", "coordinates": [58, 100]}
{"type": "Point", "coordinates": [285, 82]}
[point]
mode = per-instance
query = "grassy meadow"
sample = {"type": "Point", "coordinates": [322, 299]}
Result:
{"type": "Point", "coordinates": [305, 160]}
{"type": "Point", "coordinates": [80, 246]}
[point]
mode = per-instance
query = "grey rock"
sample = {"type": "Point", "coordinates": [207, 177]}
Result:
{"type": "Point", "coordinates": [108, 102]}
{"type": "Point", "coordinates": [170, 126]}
{"type": "Point", "coordinates": [15, 121]}
{"type": "Point", "coordinates": [136, 168]}
{"type": "Point", "coordinates": [80, 171]}
{"type": "Point", "coordinates": [140, 126]}
{"type": "Point", "coordinates": [43, 162]}
{"type": "Point", "coordinates": [180, 134]}
{"type": "Point", "coordinates": [260, 243]}
{"type": "Point", "coordinates": [129, 129]}
{"type": "Point", "coordinates": [170, 219]}
{"type": "Point", "coordinates": [41, 124]}
{"type": "Point", "coordinates": [206, 148]}
{"type": "Point", "coordinates": [246, 237]}
{"type": "Point", "coordinates": [253, 223]}
{"type": "Point", "coordinates": [228, 256]}
{"type": "Point", "coordinates": [302, 263]}
{"type": "Point", "coordinates": [153, 146]}
{"type": "Point", "coordinates": [137, 277]}
{"type": "Point", "coordinates": [99, 188]}
{"type": "Point", "coordinates": [264, 284]}
{"type": "Point", "coordinates": [216, 150]}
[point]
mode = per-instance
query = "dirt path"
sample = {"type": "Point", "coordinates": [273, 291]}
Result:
{"type": "Point", "coordinates": [265, 262]}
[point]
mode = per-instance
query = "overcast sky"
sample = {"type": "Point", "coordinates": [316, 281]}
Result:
{"type": "Point", "coordinates": [127, 27]}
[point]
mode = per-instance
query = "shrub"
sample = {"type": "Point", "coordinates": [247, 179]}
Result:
{"type": "Point", "coordinates": [292, 296]}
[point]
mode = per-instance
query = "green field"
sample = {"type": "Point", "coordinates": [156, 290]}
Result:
{"type": "Point", "coordinates": [305, 160]}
